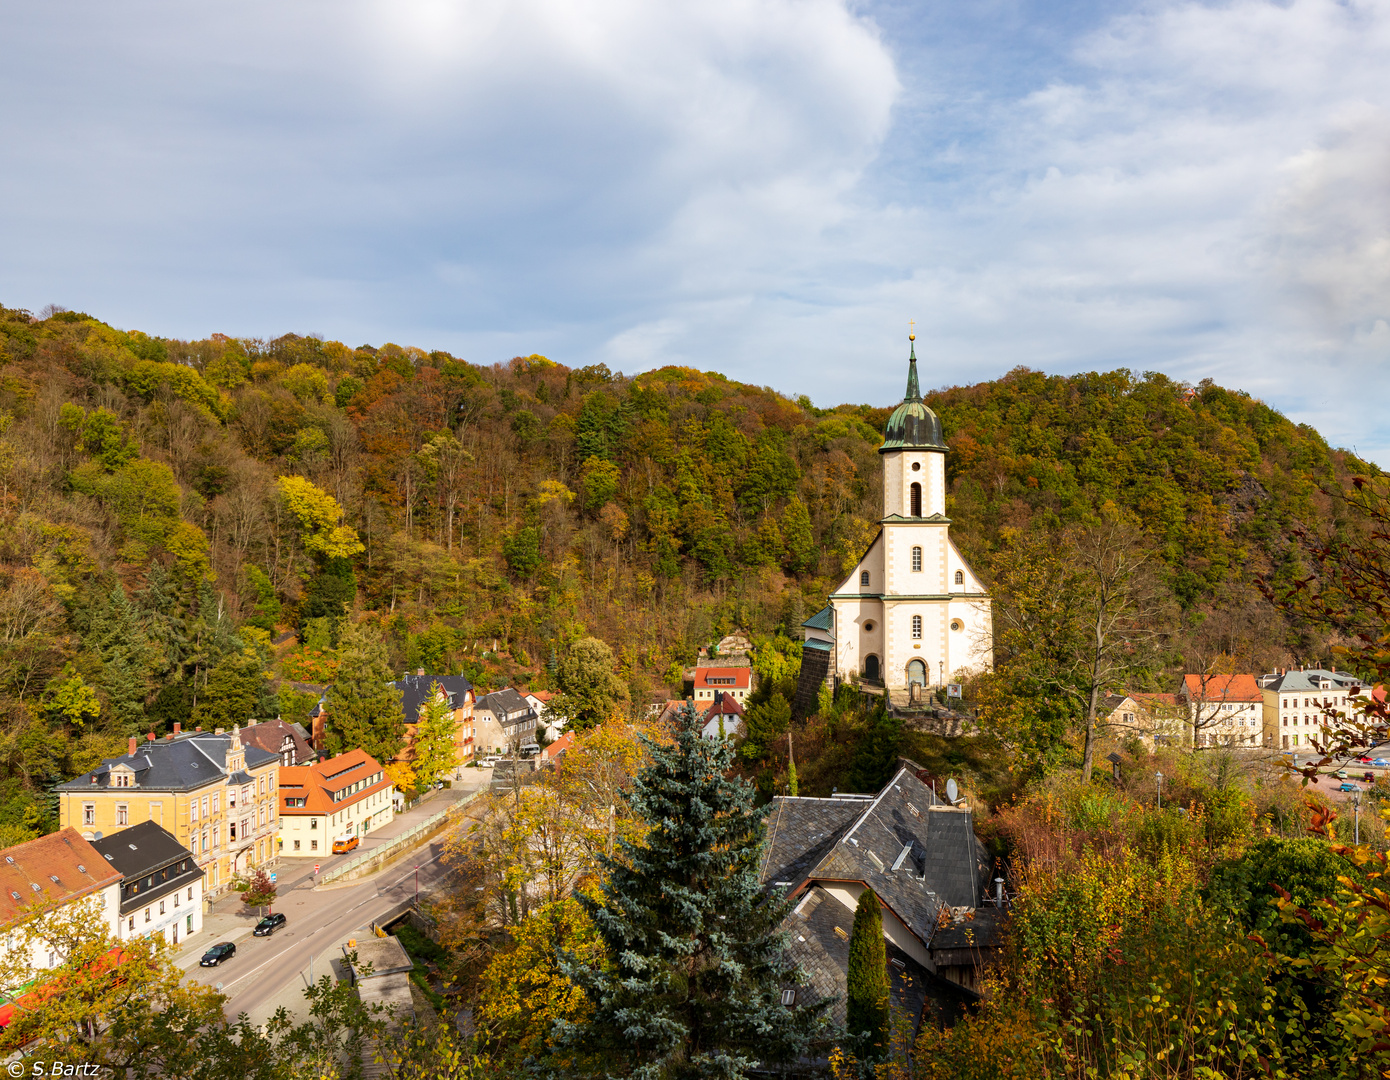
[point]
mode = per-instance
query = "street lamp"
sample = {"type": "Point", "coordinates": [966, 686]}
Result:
{"type": "Point", "coordinates": [1158, 777]}
{"type": "Point", "coordinates": [1356, 815]}
{"type": "Point", "coordinates": [417, 888]}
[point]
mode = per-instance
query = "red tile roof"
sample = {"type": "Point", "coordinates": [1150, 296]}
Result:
{"type": "Point", "coordinates": [724, 705]}
{"type": "Point", "coordinates": [737, 677]}
{"type": "Point", "coordinates": [1223, 688]}
{"type": "Point", "coordinates": [559, 746]}
{"type": "Point", "coordinates": [79, 868]}
{"type": "Point", "coordinates": [316, 784]}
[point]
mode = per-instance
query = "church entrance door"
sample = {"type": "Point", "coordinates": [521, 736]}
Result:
{"type": "Point", "coordinates": [917, 673]}
{"type": "Point", "coordinates": [871, 668]}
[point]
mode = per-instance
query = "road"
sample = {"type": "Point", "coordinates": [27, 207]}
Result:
{"type": "Point", "coordinates": [317, 920]}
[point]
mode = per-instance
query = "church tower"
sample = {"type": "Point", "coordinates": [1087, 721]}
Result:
{"type": "Point", "coordinates": [912, 612]}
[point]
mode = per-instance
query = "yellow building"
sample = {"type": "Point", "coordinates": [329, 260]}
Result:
{"type": "Point", "coordinates": [216, 796]}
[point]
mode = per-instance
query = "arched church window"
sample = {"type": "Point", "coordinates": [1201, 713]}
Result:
{"type": "Point", "coordinates": [960, 577]}
{"type": "Point", "coordinates": [916, 626]}
{"type": "Point", "coordinates": [864, 579]}
{"type": "Point", "coordinates": [916, 559]}
{"type": "Point", "coordinates": [916, 500]}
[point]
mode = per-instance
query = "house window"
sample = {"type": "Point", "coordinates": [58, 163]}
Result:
{"type": "Point", "coordinates": [916, 560]}
{"type": "Point", "coordinates": [176, 899]}
{"type": "Point", "coordinates": [916, 626]}
{"type": "Point", "coordinates": [789, 997]}
{"type": "Point", "coordinates": [916, 491]}
{"type": "Point", "coordinates": [864, 579]}
{"type": "Point", "coordinates": [147, 914]}
{"type": "Point", "coordinates": [89, 813]}
{"type": "Point", "coordinates": [122, 814]}
{"type": "Point", "coordinates": [313, 823]}
{"type": "Point", "coordinates": [313, 845]}
{"type": "Point", "coordinates": [296, 845]}
{"type": "Point", "coordinates": [161, 907]}
{"type": "Point", "coordinates": [960, 577]}
{"type": "Point", "coordinates": [131, 924]}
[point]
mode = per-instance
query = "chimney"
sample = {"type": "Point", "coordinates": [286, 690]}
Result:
{"type": "Point", "coordinates": [198, 728]}
{"type": "Point", "coordinates": [178, 728]}
{"type": "Point", "coordinates": [169, 735]}
{"type": "Point", "coordinates": [150, 737]}
{"type": "Point", "coordinates": [420, 672]}
{"type": "Point", "coordinates": [132, 746]}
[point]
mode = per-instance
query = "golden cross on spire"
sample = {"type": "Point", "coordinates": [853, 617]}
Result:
{"type": "Point", "coordinates": [911, 329]}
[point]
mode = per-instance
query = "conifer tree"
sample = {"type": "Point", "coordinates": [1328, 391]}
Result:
{"type": "Point", "coordinates": [364, 709]}
{"type": "Point", "coordinates": [695, 964]}
{"type": "Point", "coordinates": [433, 745]}
{"type": "Point", "coordinates": [866, 990]}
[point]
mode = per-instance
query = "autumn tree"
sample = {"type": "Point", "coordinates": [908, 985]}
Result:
{"type": "Point", "coordinates": [432, 748]}
{"type": "Point", "coordinates": [1077, 615]}
{"type": "Point", "coordinates": [364, 709]}
{"type": "Point", "coordinates": [590, 690]}
{"type": "Point", "coordinates": [260, 890]}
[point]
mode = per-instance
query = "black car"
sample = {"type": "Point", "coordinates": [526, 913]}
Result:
{"type": "Point", "coordinates": [269, 925]}
{"type": "Point", "coordinates": [219, 952]}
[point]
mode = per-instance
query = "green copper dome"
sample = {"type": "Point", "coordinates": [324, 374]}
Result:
{"type": "Point", "coordinates": [912, 426]}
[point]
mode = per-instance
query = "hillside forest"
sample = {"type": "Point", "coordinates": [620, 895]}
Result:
{"type": "Point", "coordinates": [186, 526]}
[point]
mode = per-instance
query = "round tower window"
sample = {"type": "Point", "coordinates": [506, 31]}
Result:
{"type": "Point", "coordinates": [916, 466]}
{"type": "Point", "coordinates": [868, 628]}
{"type": "Point", "coordinates": [956, 624]}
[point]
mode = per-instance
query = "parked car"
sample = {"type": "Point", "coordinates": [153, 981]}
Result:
{"type": "Point", "coordinates": [489, 762]}
{"type": "Point", "coordinates": [269, 925]}
{"type": "Point", "coordinates": [1381, 763]}
{"type": "Point", "coordinates": [223, 950]}
{"type": "Point", "coordinates": [1363, 761]}
{"type": "Point", "coordinates": [1369, 777]}
{"type": "Point", "coordinates": [1348, 786]}
{"type": "Point", "coordinates": [1340, 774]}
{"type": "Point", "coordinates": [344, 844]}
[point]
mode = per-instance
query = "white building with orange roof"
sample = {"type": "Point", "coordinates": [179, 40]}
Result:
{"type": "Point", "coordinates": [1223, 710]}
{"type": "Point", "coordinates": [52, 872]}
{"type": "Point", "coordinates": [348, 795]}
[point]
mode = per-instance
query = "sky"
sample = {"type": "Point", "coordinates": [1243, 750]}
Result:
{"type": "Point", "coordinates": [770, 189]}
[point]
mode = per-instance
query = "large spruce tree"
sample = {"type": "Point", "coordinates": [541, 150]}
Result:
{"type": "Point", "coordinates": [364, 709]}
{"type": "Point", "coordinates": [866, 989]}
{"type": "Point", "coordinates": [695, 962]}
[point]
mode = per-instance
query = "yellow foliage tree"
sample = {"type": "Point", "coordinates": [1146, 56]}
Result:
{"type": "Point", "coordinates": [319, 517]}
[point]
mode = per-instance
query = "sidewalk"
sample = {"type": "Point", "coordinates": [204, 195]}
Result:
{"type": "Point", "coordinates": [231, 921]}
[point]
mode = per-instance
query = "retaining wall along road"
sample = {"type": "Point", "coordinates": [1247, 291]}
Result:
{"type": "Point", "coordinates": [369, 862]}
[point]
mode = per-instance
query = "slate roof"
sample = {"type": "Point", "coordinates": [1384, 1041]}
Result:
{"type": "Point", "coordinates": [185, 762]}
{"type": "Point", "coordinates": [27, 873]}
{"type": "Point", "coordinates": [143, 851]}
{"type": "Point", "coordinates": [821, 620]}
{"type": "Point", "coordinates": [800, 832]}
{"type": "Point", "coordinates": [916, 856]}
{"type": "Point", "coordinates": [822, 953]}
{"type": "Point", "coordinates": [505, 704]}
{"type": "Point", "coordinates": [270, 735]}
{"type": "Point", "coordinates": [1307, 681]}
{"type": "Point", "coordinates": [415, 691]}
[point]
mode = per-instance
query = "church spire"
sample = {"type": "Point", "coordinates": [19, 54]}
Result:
{"type": "Point", "coordinates": [914, 392]}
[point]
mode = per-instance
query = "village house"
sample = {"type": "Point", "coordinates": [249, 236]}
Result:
{"type": "Point", "coordinates": [52, 872]}
{"type": "Point", "coordinates": [162, 890]}
{"type": "Point", "coordinates": [505, 721]}
{"type": "Point", "coordinates": [277, 737]}
{"type": "Point", "coordinates": [417, 689]}
{"type": "Point", "coordinates": [737, 682]}
{"type": "Point", "coordinates": [724, 718]}
{"type": "Point", "coordinates": [348, 795]}
{"type": "Point", "coordinates": [1296, 705]}
{"type": "Point", "coordinates": [1158, 719]}
{"type": "Point", "coordinates": [216, 796]}
{"type": "Point", "coordinates": [1223, 710]}
{"type": "Point", "coordinates": [924, 863]}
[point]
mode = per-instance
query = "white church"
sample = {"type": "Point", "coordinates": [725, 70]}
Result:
{"type": "Point", "coordinates": [912, 616]}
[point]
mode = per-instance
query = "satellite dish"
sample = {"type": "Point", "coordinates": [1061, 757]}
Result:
{"type": "Point", "coordinates": [951, 790]}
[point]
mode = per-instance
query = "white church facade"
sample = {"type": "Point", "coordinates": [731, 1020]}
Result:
{"type": "Point", "coordinates": [912, 612]}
